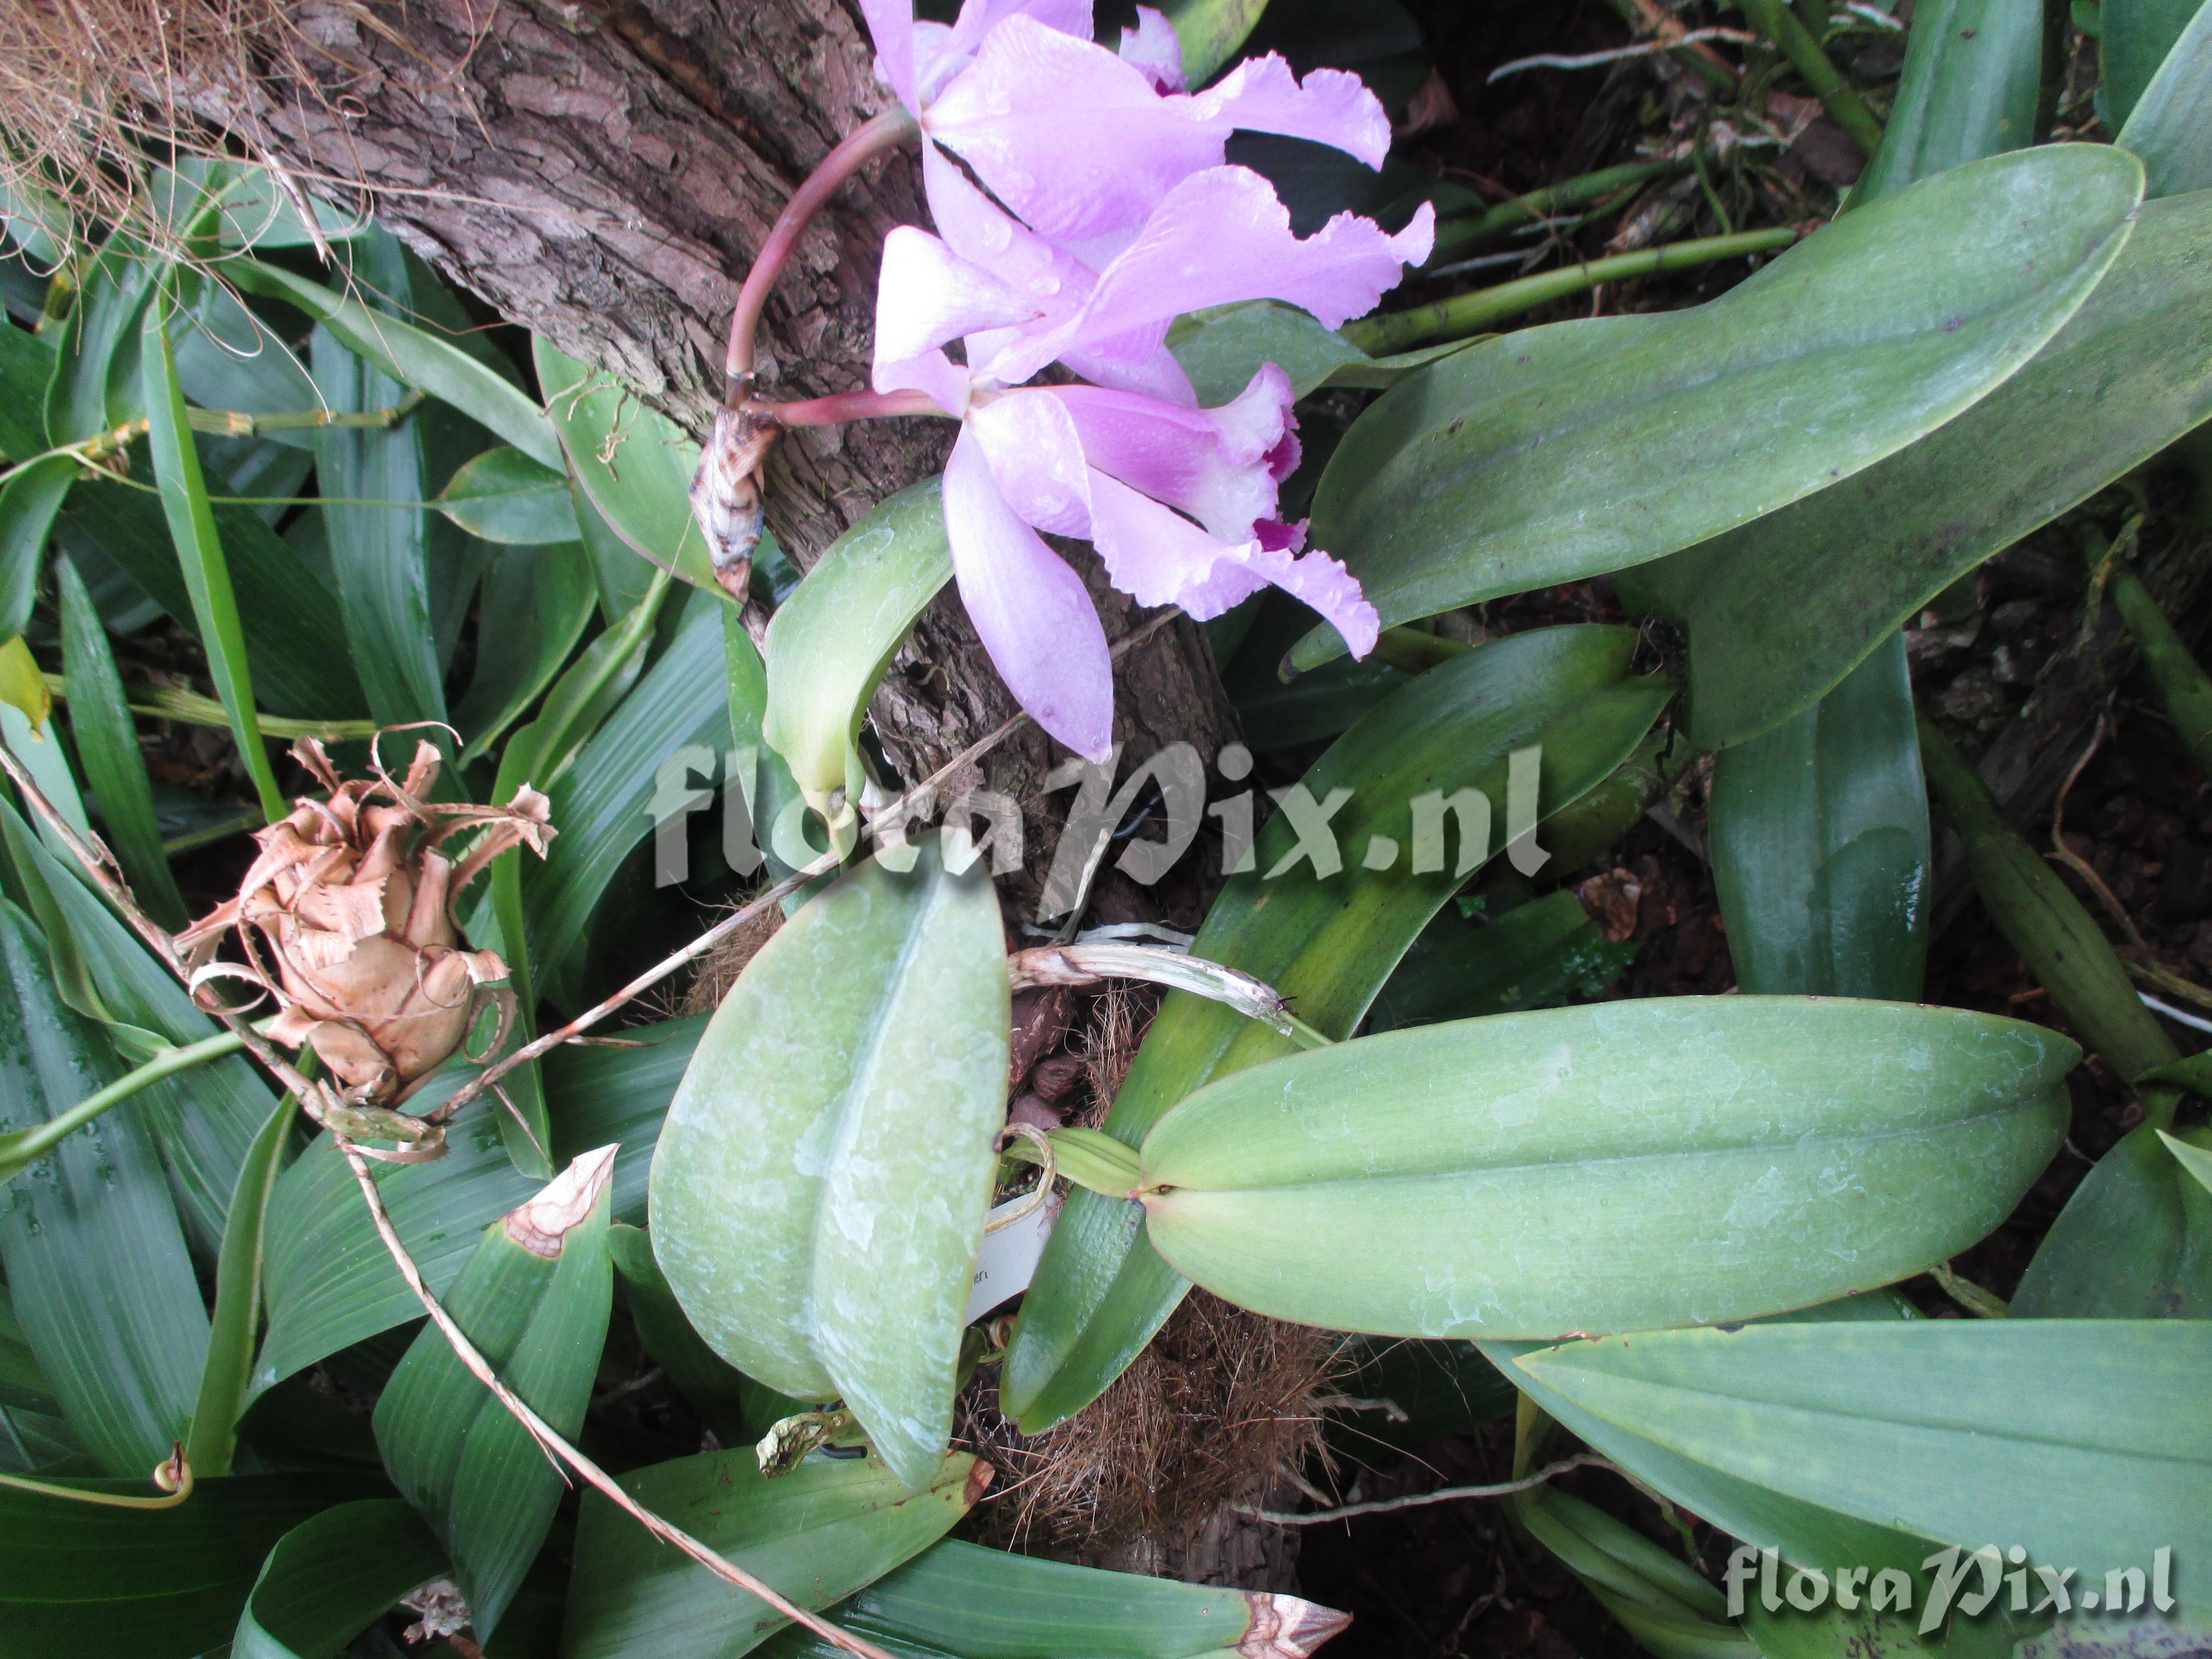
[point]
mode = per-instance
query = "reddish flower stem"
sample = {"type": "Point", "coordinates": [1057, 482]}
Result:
{"type": "Point", "coordinates": [853, 406]}
{"type": "Point", "coordinates": [885, 131]}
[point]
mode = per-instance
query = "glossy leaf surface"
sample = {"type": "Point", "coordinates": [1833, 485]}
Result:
{"type": "Point", "coordinates": [1622, 1166]}
{"type": "Point", "coordinates": [1329, 944]}
{"type": "Point", "coordinates": [1973, 72]}
{"type": "Point", "coordinates": [816, 1535]}
{"type": "Point", "coordinates": [2134, 1242]}
{"type": "Point", "coordinates": [1924, 1424]}
{"type": "Point", "coordinates": [235, 1325]}
{"type": "Point", "coordinates": [29, 502]}
{"type": "Point", "coordinates": [505, 496]}
{"type": "Point", "coordinates": [1526, 460]}
{"type": "Point", "coordinates": [820, 1189]}
{"type": "Point", "coordinates": [331, 1575]}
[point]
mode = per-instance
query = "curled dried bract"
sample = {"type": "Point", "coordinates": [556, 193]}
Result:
{"type": "Point", "coordinates": [354, 897]}
{"type": "Point", "coordinates": [726, 492]}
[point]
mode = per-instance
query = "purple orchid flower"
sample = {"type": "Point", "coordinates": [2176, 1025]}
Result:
{"type": "Point", "coordinates": [1017, 89]}
{"type": "Point", "coordinates": [1121, 462]}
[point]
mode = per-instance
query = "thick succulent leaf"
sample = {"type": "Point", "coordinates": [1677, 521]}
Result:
{"type": "Point", "coordinates": [200, 552]}
{"type": "Point", "coordinates": [739, 1410]}
{"type": "Point", "coordinates": [1820, 844]}
{"type": "Point", "coordinates": [108, 746]}
{"type": "Point", "coordinates": [2134, 1242]}
{"type": "Point", "coordinates": [633, 464]}
{"type": "Point", "coordinates": [1528, 460]}
{"type": "Point", "coordinates": [204, 1119]}
{"type": "Point", "coordinates": [102, 1582]}
{"type": "Point", "coordinates": [292, 634]}
{"type": "Point", "coordinates": [2134, 38]}
{"type": "Point", "coordinates": [377, 551]}
{"type": "Point", "coordinates": [1101, 1292]}
{"type": "Point", "coordinates": [1622, 1166]}
{"type": "Point", "coordinates": [1925, 1424]}
{"type": "Point", "coordinates": [1666, 1607]}
{"type": "Point", "coordinates": [504, 496]}
{"type": "Point", "coordinates": [604, 804]}
{"type": "Point", "coordinates": [96, 1259]}
{"type": "Point", "coordinates": [2167, 130]}
{"type": "Point", "coordinates": [413, 356]}
{"type": "Point", "coordinates": [536, 1305]}
{"type": "Point", "coordinates": [816, 1534]}
{"type": "Point", "coordinates": [1782, 609]}
{"type": "Point", "coordinates": [829, 642]}
{"type": "Point", "coordinates": [1221, 350]}
{"type": "Point", "coordinates": [956, 1599]}
{"type": "Point", "coordinates": [542, 598]}
{"type": "Point", "coordinates": [331, 1575]}
{"type": "Point", "coordinates": [819, 1189]}
{"type": "Point", "coordinates": [332, 1284]}
{"type": "Point", "coordinates": [1533, 956]}
{"type": "Point", "coordinates": [1973, 70]}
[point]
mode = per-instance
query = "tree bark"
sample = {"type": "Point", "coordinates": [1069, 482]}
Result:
{"type": "Point", "coordinates": [602, 174]}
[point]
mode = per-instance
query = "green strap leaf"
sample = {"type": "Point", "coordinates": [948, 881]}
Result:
{"type": "Point", "coordinates": [1666, 1607]}
{"type": "Point", "coordinates": [1101, 1292]}
{"type": "Point", "coordinates": [542, 599]}
{"type": "Point", "coordinates": [1527, 461]}
{"type": "Point", "coordinates": [207, 575]}
{"type": "Point", "coordinates": [30, 502]}
{"type": "Point", "coordinates": [831, 641]}
{"type": "Point", "coordinates": [2167, 130]}
{"type": "Point", "coordinates": [819, 1190]}
{"type": "Point", "coordinates": [1533, 956]}
{"type": "Point", "coordinates": [413, 356]}
{"type": "Point", "coordinates": [113, 1584]}
{"type": "Point", "coordinates": [2134, 1242]}
{"type": "Point", "coordinates": [816, 1534]}
{"type": "Point", "coordinates": [236, 1323]}
{"type": "Point", "coordinates": [96, 339]}
{"type": "Point", "coordinates": [738, 1409]}
{"type": "Point", "coordinates": [2191, 1157]}
{"type": "Point", "coordinates": [505, 496]}
{"type": "Point", "coordinates": [1820, 845]}
{"type": "Point", "coordinates": [534, 1298]}
{"type": "Point", "coordinates": [331, 1575]}
{"type": "Point", "coordinates": [1211, 31]}
{"type": "Point", "coordinates": [96, 1259]}
{"type": "Point", "coordinates": [107, 746]}
{"type": "Point", "coordinates": [1620, 1167]}
{"type": "Point", "coordinates": [1924, 1424]}
{"type": "Point", "coordinates": [1974, 70]}
{"type": "Point", "coordinates": [2134, 38]}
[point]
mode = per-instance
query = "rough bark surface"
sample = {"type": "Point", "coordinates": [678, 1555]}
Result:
{"type": "Point", "coordinates": [602, 174]}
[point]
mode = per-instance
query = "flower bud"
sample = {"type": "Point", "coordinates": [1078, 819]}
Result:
{"type": "Point", "coordinates": [353, 898]}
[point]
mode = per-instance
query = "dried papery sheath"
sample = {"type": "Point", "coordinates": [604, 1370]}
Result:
{"type": "Point", "coordinates": [542, 1225]}
{"type": "Point", "coordinates": [1288, 1627]}
{"type": "Point", "coordinates": [353, 897]}
{"type": "Point", "coordinates": [726, 492]}
{"type": "Point", "coordinates": [1089, 963]}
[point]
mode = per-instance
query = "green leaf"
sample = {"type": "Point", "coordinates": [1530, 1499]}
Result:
{"type": "Point", "coordinates": [534, 1298]}
{"type": "Point", "coordinates": [331, 1575]}
{"type": "Point", "coordinates": [1666, 1607]}
{"type": "Point", "coordinates": [609, 798]}
{"type": "Point", "coordinates": [331, 1282]}
{"type": "Point", "coordinates": [542, 599]}
{"type": "Point", "coordinates": [414, 356]}
{"type": "Point", "coordinates": [1974, 70]}
{"type": "Point", "coordinates": [27, 366]}
{"type": "Point", "coordinates": [1781, 610]}
{"type": "Point", "coordinates": [236, 1323]}
{"type": "Point", "coordinates": [738, 1409]}
{"type": "Point", "coordinates": [258, 212]}
{"type": "Point", "coordinates": [2167, 129]}
{"type": "Point", "coordinates": [1407, 1394]}
{"type": "Point", "coordinates": [1528, 461]}
{"type": "Point", "coordinates": [2134, 38]}
{"type": "Point", "coordinates": [1101, 1292]}
{"type": "Point", "coordinates": [633, 464]}
{"type": "Point", "coordinates": [2134, 1242]}
{"type": "Point", "coordinates": [1925, 1424]}
{"type": "Point", "coordinates": [1820, 845]}
{"type": "Point", "coordinates": [102, 1583]}
{"type": "Point", "coordinates": [206, 1120]}
{"type": "Point", "coordinates": [2193, 1158]}
{"type": "Point", "coordinates": [29, 502]}
{"type": "Point", "coordinates": [114, 292]}
{"type": "Point", "coordinates": [207, 575]}
{"type": "Point", "coordinates": [819, 1190]}
{"type": "Point", "coordinates": [1211, 31]}
{"type": "Point", "coordinates": [293, 637]}
{"type": "Point", "coordinates": [1223, 348]}
{"type": "Point", "coordinates": [95, 1260]}
{"type": "Point", "coordinates": [829, 642]}
{"type": "Point", "coordinates": [504, 496]}
{"type": "Point", "coordinates": [956, 1599]}
{"type": "Point", "coordinates": [373, 481]}
{"type": "Point", "coordinates": [1620, 1167]}
{"type": "Point", "coordinates": [816, 1534]}
{"type": "Point", "coordinates": [107, 746]}
{"type": "Point", "coordinates": [1530, 957]}
{"type": "Point", "coordinates": [1314, 705]}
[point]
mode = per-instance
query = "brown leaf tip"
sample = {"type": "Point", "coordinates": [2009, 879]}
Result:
{"type": "Point", "coordinates": [542, 1225]}
{"type": "Point", "coordinates": [980, 1478]}
{"type": "Point", "coordinates": [1286, 1627]}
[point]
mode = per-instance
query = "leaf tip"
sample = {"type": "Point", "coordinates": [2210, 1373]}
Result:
{"type": "Point", "coordinates": [1287, 1627]}
{"type": "Point", "coordinates": [542, 1225]}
